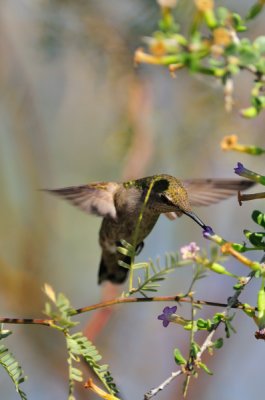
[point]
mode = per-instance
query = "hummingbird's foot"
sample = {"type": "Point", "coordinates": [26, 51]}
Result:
{"type": "Point", "coordinates": [139, 248]}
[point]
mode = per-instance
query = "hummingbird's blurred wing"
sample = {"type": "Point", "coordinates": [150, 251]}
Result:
{"type": "Point", "coordinates": [95, 198]}
{"type": "Point", "coordinates": [204, 192]}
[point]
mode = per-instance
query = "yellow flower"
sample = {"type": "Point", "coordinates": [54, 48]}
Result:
{"type": "Point", "coordinates": [141, 57]}
{"type": "Point", "coordinates": [221, 37]}
{"type": "Point", "coordinates": [101, 393]}
{"type": "Point", "coordinates": [229, 142]}
{"type": "Point", "coordinates": [167, 3]}
{"type": "Point", "coordinates": [157, 47]}
{"type": "Point", "coordinates": [204, 5]}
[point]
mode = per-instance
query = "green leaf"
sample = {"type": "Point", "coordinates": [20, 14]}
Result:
{"type": "Point", "coordinates": [79, 345]}
{"type": "Point", "coordinates": [259, 44]}
{"type": "Point", "coordinates": [179, 359]}
{"type": "Point", "coordinates": [258, 102]}
{"type": "Point", "coordinates": [127, 245]}
{"type": "Point", "coordinates": [218, 343]}
{"type": "Point", "coordinates": [239, 23]}
{"type": "Point", "coordinates": [14, 370]}
{"type": "Point", "coordinates": [257, 274]}
{"type": "Point", "coordinates": [141, 265]}
{"type": "Point", "coordinates": [76, 374]}
{"type": "Point", "coordinates": [222, 14]}
{"type": "Point", "coordinates": [254, 10]}
{"type": "Point", "coordinates": [202, 324]}
{"type": "Point", "coordinates": [255, 238]}
{"type": "Point", "coordinates": [124, 251]}
{"type": "Point", "coordinates": [261, 302]}
{"type": "Point", "coordinates": [154, 273]}
{"type": "Point", "coordinates": [250, 112]}
{"type": "Point", "coordinates": [241, 248]}
{"type": "Point", "coordinates": [238, 286]}
{"type": "Point", "coordinates": [250, 313]}
{"type": "Point", "coordinates": [4, 333]}
{"type": "Point", "coordinates": [247, 54]}
{"type": "Point", "coordinates": [259, 218]}
{"type": "Point", "coordinates": [228, 328]}
{"type": "Point", "coordinates": [194, 350]}
{"type": "Point", "coordinates": [205, 368]}
{"type": "Point", "coordinates": [123, 264]}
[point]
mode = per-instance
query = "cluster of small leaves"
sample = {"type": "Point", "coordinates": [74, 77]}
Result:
{"type": "Point", "coordinates": [191, 365]}
{"type": "Point", "coordinates": [149, 275]}
{"type": "Point", "coordinates": [78, 346]}
{"type": "Point", "coordinates": [209, 324]}
{"type": "Point", "coordinates": [257, 240]}
{"type": "Point", "coordinates": [257, 243]}
{"type": "Point", "coordinates": [218, 318]}
{"type": "Point", "coordinates": [193, 360]}
{"type": "Point", "coordinates": [220, 52]}
{"type": "Point", "coordinates": [153, 272]}
{"type": "Point", "coordinates": [11, 365]}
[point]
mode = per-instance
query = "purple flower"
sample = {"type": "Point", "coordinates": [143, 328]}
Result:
{"type": "Point", "coordinates": [240, 169]}
{"type": "Point", "coordinates": [207, 232]}
{"type": "Point", "coordinates": [246, 173]}
{"type": "Point", "coordinates": [166, 316]}
{"type": "Point", "coordinates": [189, 252]}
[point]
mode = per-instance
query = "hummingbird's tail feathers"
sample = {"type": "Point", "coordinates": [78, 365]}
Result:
{"type": "Point", "coordinates": [96, 198]}
{"type": "Point", "coordinates": [204, 192]}
{"type": "Point", "coordinates": [113, 272]}
{"type": "Point", "coordinates": [110, 270]}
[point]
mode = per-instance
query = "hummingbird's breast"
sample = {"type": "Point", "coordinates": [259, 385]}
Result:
{"type": "Point", "coordinates": [128, 203]}
{"type": "Point", "coordinates": [124, 227]}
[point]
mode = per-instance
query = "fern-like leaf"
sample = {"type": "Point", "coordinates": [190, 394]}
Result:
{"type": "Point", "coordinates": [154, 273]}
{"type": "Point", "coordinates": [79, 345]}
{"type": "Point", "coordinates": [14, 370]}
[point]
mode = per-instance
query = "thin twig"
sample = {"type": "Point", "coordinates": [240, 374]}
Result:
{"type": "Point", "coordinates": [123, 300]}
{"type": "Point", "coordinates": [154, 391]}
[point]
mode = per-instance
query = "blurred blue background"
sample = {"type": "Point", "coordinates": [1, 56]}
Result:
{"type": "Point", "coordinates": [73, 109]}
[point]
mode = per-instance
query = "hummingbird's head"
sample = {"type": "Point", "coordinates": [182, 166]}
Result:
{"type": "Point", "coordinates": [169, 195]}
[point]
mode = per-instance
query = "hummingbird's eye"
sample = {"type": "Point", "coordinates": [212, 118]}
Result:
{"type": "Point", "coordinates": [166, 199]}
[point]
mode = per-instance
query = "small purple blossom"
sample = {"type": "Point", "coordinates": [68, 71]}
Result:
{"type": "Point", "coordinates": [246, 173]}
{"type": "Point", "coordinates": [207, 232]}
{"type": "Point", "coordinates": [240, 169]}
{"type": "Point", "coordinates": [189, 252]}
{"type": "Point", "coordinates": [166, 316]}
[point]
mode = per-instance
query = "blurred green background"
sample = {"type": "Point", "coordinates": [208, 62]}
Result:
{"type": "Point", "coordinates": [73, 109]}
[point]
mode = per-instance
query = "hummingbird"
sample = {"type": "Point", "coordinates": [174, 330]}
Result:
{"type": "Point", "coordinates": [120, 204]}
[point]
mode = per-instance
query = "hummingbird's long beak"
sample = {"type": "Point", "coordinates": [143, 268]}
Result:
{"type": "Point", "coordinates": [195, 218]}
